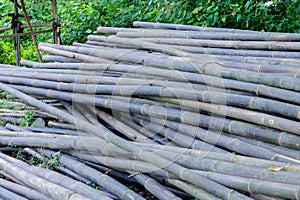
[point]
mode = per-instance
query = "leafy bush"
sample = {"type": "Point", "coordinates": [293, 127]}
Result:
{"type": "Point", "coordinates": [257, 15]}
{"type": "Point", "coordinates": [83, 17]}
{"type": "Point", "coordinates": [7, 52]}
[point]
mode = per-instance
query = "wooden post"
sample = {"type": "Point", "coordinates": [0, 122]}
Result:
{"type": "Point", "coordinates": [55, 25]}
{"type": "Point", "coordinates": [31, 30]}
{"type": "Point", "coordinates": [16, 28]}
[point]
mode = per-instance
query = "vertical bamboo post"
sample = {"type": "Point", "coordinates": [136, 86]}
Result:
{"type": "Point", "coordinates": [55, 25]}
{"type": "Point", "coordinates": [16, 28]}
{"type": "Point", "coordinates": [31, 30]}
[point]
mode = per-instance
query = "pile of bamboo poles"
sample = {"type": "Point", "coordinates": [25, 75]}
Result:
{"type": "Point", "coordinates": [183, 111]}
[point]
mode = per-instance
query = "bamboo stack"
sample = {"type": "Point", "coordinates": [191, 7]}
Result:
{"type": "Point", "coordinates": [183, 112]}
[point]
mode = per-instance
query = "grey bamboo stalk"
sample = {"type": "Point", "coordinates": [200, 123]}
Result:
{"type": "Point", "coordinates": [267, 36]}
{"type": "Point", "coordinates": [65, 181]}
{"type": "Point", "coordinates": [35, 182]}
{"type": "Point", "coordinates": [23, 190]}
{"type": "Point", "coordinates": [8, 195]}
{"type": "Point", "coordinates": [140, 24]}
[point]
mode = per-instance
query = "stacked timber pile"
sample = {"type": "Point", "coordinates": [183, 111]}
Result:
{"type": "Point", "coordinates": [186, 112]}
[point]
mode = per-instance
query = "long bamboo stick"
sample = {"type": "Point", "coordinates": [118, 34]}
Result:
{"type": "Point", "coordinates": [8, 195]}
{"type": "Point", "coordinates": [196, 192]}
{"type": "Point", "coordinates": [35, 182]}
{"type": "Point", "coordinates": [62, 59]}
{"type": "Point", "coordinates": [261, 36]}
{"type": "Point", "coordinates": [22, 190]}
{"type": "Point", "coordinates": [65, 181]}
{"type": "Point", "coordinates": [228, 157]}
{"type": "Point", "coordinates": [140, 24]}
{"type": "Point", "coordinates": [267, 45]}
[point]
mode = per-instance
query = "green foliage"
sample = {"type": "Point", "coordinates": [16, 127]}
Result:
{"type": "Point", "coordinates": [49, 162]}
{"type": "Point", "coordinates": [3, 95]}
{"type": "Point", "coordinates": [28, 119]}
{"type": "Point", "coordinates": [7, 52]}
{"type": "Point", "coordinates": [20, 152]}
{"type": "Point", "coordinates": [93, 185]}
{"type": "Point", "coordinates": [281, 16]}
{"type": "Point", "coordinates": [83, 17]}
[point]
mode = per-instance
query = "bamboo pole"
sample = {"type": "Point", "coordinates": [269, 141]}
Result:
{"type": "Point", "coordinates": [35, 182]}
{"type": "Point", "coordinates": [260, 36]}
{"type": "Point", "coordinates": [228, 157]}
{"type": "Point", "coordinates": [140, 24]}
{"type": "Point", "coordinates": [259, 45]}
{"type": "Point", "coordinates": [64, 181]}
{"type": "Point", "coordinates": [8, 195]}
{"type": "Point", "coordinates": [22, 190]}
